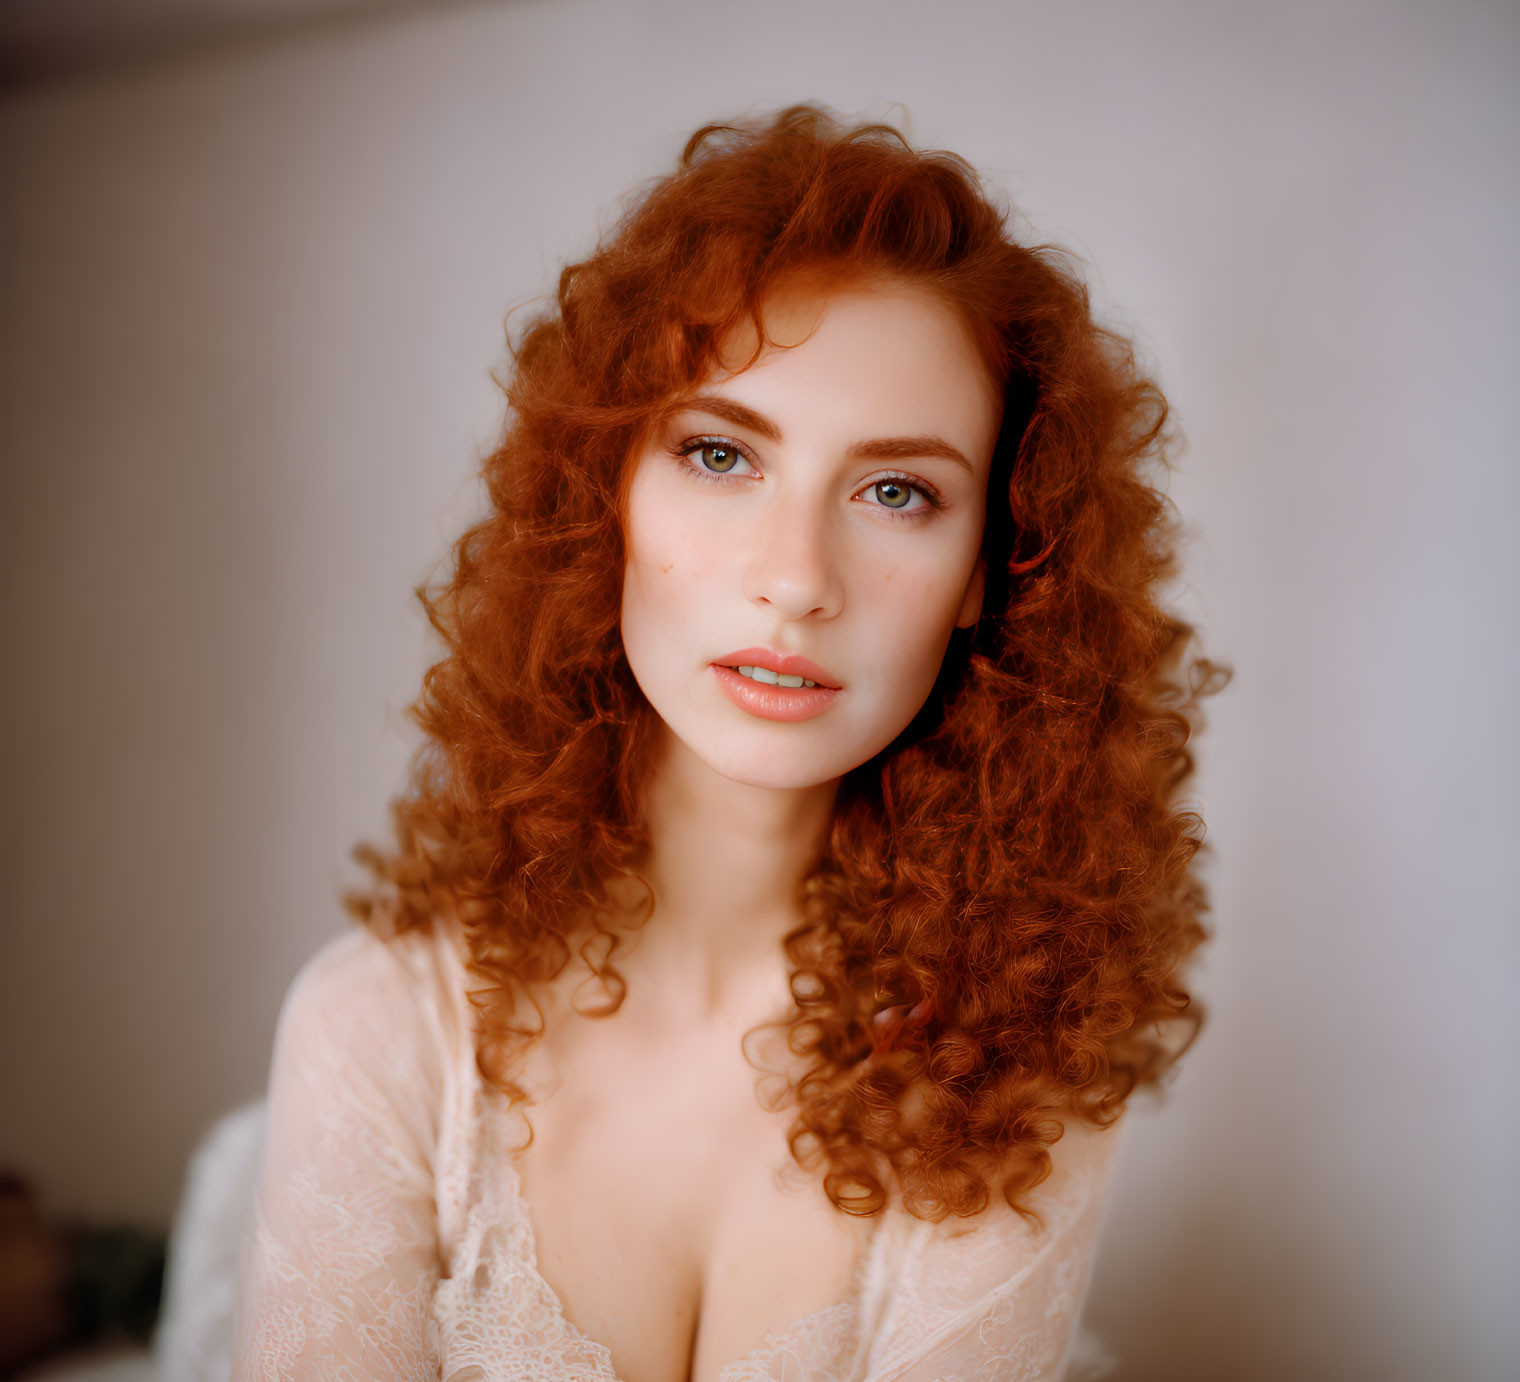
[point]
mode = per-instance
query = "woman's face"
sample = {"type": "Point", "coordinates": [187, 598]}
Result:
{"type": "Point", "coordinates": [817, 516]}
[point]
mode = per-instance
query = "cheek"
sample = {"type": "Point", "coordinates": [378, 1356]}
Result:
{"type": "Point", "coordinates": [664, 527]}
{"type": "Point", "coordinates": [909, 616]}
{"type": "Point", "coordinates": [914, 609]}
{"type": "Point", "coordinates": [670, 566]}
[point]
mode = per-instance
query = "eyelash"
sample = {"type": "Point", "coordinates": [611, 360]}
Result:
{"type": "Point", "coordinates": [930, 495]}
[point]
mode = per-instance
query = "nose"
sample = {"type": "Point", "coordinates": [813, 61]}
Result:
{"type": "Point", "coordinates": [792, 567]}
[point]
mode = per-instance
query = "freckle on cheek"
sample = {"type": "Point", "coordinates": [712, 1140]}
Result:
{"type": "Point", "coordinates": [667, 568]}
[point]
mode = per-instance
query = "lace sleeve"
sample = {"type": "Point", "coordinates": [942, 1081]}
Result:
{"type": "Point", "coordinates": [998, 1301]}
{"type": "Point", "coordinates": [337, 1275]}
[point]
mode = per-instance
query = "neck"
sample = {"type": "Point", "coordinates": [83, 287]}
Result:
{"type": "Point", "coordinates": [725, 863]}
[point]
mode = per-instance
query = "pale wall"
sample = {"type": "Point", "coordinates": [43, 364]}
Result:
{"type": "Point", "coordinates": [250, 303]}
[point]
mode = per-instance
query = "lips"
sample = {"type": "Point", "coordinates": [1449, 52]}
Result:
{"type": "Point", "coordinates": [788, 704]}
{"type": "Point", "coordinates": [783, 664]}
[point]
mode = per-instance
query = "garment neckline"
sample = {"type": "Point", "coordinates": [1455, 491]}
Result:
{"type": "Point", "coordinates": [774, 1341]}
{"type": "Point", "coordinates": [588, 1348]}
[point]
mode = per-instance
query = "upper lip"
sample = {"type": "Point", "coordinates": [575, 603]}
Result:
{"type": "Point", "coordinates": [785, 664]}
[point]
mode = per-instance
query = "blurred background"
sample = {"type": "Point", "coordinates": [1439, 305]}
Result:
{"type": "Point", "coordinates": [255, 260]}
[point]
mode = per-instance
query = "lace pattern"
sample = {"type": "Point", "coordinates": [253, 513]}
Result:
{"type": "Point", "coordinates": [391, 1239]}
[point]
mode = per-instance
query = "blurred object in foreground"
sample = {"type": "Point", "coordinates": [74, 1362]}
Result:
{"type": "Point", "coordinates": [33, 1318]}
{"type": "Point", "coordinates": [194, 1339]}
{"type": "Point", "coordinates": [71, 1285]}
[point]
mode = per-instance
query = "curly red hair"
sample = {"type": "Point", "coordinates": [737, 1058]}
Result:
{"type": "Point", "coordinates": [993, 937]}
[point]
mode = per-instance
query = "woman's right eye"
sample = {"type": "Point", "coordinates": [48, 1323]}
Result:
{"type": "Point", "coordinates": [712, 455]}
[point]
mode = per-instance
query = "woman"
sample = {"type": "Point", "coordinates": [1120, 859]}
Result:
{"type": "Point", "coordinates": [789, 893]}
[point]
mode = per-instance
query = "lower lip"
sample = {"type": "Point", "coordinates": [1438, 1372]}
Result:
{"type": "Point", "coordinates": [789, 703]}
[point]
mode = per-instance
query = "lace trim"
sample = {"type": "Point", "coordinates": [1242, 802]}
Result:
{"type": "Point", "coordinates": [496, 1305]}
{"type": "Point", "coordinates": [393, 1239]}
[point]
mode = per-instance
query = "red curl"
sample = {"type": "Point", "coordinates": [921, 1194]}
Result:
{"type": "Point", "coordinates": [1018, 858]}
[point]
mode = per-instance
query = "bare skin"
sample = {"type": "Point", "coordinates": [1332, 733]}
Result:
{"type": "Point", "coordinates": [700, 1234]}
{"type": "Point", "coordinates": [669, 1215]}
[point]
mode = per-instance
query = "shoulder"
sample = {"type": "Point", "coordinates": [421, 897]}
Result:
{"type": "Point", "coordinates": [1081, 1164]}
{"type": "Point", "coordinates": [997, 1294]}
{"type": "Point", "coordinates": [1081, 1167]}
{"type": "Point", "coordinates": [359, 962]}
{"type": "Point", "coordinates": [354, 976]}
{"type": "Point", "coordinates": [1001, 1250]}
{"type": "Point", "coordinates": [371, 1005]}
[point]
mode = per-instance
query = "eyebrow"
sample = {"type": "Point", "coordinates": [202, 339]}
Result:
{"type": "Point", "coordinates": [874, 449]}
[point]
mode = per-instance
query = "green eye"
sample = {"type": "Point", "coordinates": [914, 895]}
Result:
{"type": "Point", "coordinates": [893, 493]}
{"type": "Point", "coordinates": [718, 458]}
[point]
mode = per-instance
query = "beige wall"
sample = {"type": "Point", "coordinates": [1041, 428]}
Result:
{"type": "Point", "coordinates": [250, 302]}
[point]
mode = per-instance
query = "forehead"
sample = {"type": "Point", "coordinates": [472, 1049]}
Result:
{"type": "Point", "coordinates": [885, 358]}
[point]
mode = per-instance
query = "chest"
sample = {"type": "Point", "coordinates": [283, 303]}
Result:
{"type": "Point", "coordinates": [669, 1216]}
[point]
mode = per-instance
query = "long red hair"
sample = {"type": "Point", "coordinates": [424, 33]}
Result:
{"type": "Point", "coordinates": [993, 937]}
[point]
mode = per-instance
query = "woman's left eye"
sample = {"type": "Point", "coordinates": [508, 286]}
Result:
{"type": "Point", "coordinates": [896, 493]}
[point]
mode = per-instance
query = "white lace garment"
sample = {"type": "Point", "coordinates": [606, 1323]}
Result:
{"type": "Point", "coordinates": [391, 1239]}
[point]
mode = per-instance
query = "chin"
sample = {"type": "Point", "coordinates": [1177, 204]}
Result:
{"type": "Point", "coordinates": [775, 755]}
{"type": "Point", "coordinates": [772, 762]}
{"type": "Point", "coordinates": [776, 771]}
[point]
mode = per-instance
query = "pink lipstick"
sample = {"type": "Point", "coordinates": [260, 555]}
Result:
{"type": "Point", "coordinates": [784, 664]}
{"type": "Point", "coordinates": [773, 702]}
